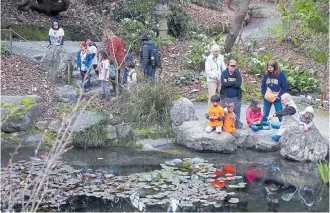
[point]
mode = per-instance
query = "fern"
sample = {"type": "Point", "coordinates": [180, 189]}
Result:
{"type": "Point", "coordinates": [324, 171]}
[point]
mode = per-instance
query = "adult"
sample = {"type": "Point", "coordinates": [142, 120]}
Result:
{"type": "Point", "coordinates": [145, 57]}
{"type": "Point", "coordinates": [273, 86]}
{"type": "Point", "coordinates": [93, 50]}
{"type": "Point", "coordinates": [55, 34]}
{"type": "Point", "coordinates": [214, 66]}
{"type": "Point", "coordinates": [290, 116]}
{"type": "Point", "coordinates": [231, 83]}
{"type": "Point", "coordinates": [115, 49]}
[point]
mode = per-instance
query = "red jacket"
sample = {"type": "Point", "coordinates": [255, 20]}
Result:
{"type": "Point", "coordinates": [252, 116]}
{"type": "Point", "coordinates": [116, 50]}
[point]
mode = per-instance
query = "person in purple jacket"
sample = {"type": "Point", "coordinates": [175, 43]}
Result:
{"type": "Point", "coordinates": [274, 81]}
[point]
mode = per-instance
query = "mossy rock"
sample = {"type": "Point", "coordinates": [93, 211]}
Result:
{"type": "Point", "coordinates": [27, 31]}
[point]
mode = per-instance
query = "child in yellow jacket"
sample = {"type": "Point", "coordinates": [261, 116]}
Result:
{"type": "Point", "coordinates": [215, 114]}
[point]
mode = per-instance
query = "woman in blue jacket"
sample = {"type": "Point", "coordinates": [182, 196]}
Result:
{"type": "Point", "coordinates": [84, 61]}
{"type": "Point", "coordinates": [273, 85]}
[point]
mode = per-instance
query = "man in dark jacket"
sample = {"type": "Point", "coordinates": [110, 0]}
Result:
{"type": "Point", "coordinates": [146, 44]}
{"type": "Point", "coordinates": [231, 82]}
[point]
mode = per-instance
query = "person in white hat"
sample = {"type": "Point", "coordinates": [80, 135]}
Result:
{"type": "Point", "coordinates": [306, 118]}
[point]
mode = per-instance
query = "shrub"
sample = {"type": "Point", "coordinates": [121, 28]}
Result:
{"type": "Point", "coordinates": [133, 9]}
{"type": "Point", "coordinates": [178, 20]}
{"type": "Point", "coordinates": [5, 51]}
{"type": "Point", "coordinates": [131, 33]}
{"type": "Point", "coordinates": [146, 105]}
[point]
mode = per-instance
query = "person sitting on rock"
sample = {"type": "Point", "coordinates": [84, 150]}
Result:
{"type": "Point", "coordinates": [230, 119]}
{"type": "Point", "coordinates": [306, 118]}
{"type": "Point", "coordinates": [290, 116]}
{"type": "Point", "coordinates": [55, 34]}
{"type": "Point", "coordinates": [254, 116]}
{"type": "Point", "coordinates": [215, 114]}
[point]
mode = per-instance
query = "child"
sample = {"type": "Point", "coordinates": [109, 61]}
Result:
{"type": "Point", "coordinates": [229, 121]}
{"type": "Point", "coordinates": [215, 114]}
{"type": "Point", "coordinates": [84, 60]}
{"type": "Point", "coordinates": [132, 75]}
{"type": "Point", "coordinates": [254, 116]}
{"type": "Point", "coordinates": [104, 75]}
{"type": "Point", "coordinates": [306, 118]}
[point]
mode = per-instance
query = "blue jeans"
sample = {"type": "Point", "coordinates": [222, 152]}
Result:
{"type": "Point", "coordinates": [85, 79]}
{"type": "Point", "coordinates": [259, 127]}
{"type": "Point", "coordinates": [125, 75]}
{"type": "Point", "coordinates": [104, 89]}
{"type": "Point", "coordinates": [267, 106]}
{"type": "Point", "coordinates": [149, 73]}
{"type": "Point", "coordinates": [276, 125]}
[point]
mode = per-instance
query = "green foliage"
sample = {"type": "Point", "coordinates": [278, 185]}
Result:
{"type": "Point", "coordinates": [302, 80]}
{"type": "Point", "coordinates": [50, 136]}
{"type": "Point", "coordinates": [184, 79]}
{"type": "Point", "coordinates": [5, 51]}
{"type": "Point", "coordinates": [178, 20]}
{"type": "Point", "coordinates": [249, 91]}
{"type": "Point", "coordinates": [27, 31]}
{"type": "Point", "coordinates": [94, 136]}
{"type": "Point", "coordinates": [324, 171]}
{"type": "Point", "coordinates": [146, 105]}
{"type": "Point", "coordinates": [202, 97]}
{"type": "Point", "coordinates": [132, 32]}
{"type": "Point", "coordinates": [133, 9]}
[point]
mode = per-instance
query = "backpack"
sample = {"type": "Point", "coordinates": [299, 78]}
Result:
{"type": "Point", "coordinates": [153, 55]}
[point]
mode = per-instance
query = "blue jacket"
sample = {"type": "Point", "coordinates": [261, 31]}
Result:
{"type": "Point", "coordinates": [274, 84]}
{"type": "Point", "coordinates": [88, 61]}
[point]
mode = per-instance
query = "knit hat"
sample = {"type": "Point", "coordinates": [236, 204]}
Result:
{"type": "Point", "coordinates": [310, 110]}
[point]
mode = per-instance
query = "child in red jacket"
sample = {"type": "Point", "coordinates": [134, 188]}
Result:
{"type": "Point", "coordinates": [254, 117]}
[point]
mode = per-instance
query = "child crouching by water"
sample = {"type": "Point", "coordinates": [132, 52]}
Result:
{"type": "Point", "coordinates": [215, 114]}
{"type": "Point", "coordinates": [254, 117]}
{"type": "Point", "coordinates": [306, 118]}
{"type": "Point", "coordinates": [230, 118]}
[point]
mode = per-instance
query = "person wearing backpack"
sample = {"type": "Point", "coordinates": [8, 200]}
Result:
{"type": "Point", "coordinates": [150, 58]}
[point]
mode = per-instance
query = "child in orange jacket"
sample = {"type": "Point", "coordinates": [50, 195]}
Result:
{"type": "Point", "coordinates": [229, 121]}
{"type": "Point", "coordinates": [215, 114]}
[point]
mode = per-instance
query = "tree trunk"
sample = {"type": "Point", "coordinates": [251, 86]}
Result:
{"type": "Point", "coordinates": [48, 7]}
{"type": "Point", "coordinates": [235, 24]}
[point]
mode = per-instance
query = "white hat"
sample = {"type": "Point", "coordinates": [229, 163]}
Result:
{"type": "Point", "coordinates": [309, 109]}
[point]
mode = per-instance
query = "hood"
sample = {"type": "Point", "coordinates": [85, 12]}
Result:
{"type": "Point", "coordinates": [309, 109]}
{"type": "Point", "coordinates": [288, 98]}
{"type": "Point", "coordinates": [52, 23]}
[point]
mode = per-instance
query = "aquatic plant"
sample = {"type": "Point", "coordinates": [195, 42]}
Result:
{"type": "Point", "coordinates": [324, 171]}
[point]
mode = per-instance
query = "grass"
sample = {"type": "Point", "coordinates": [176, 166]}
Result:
{"type": "Point", "coordinates": [324, 171]}
{"type": "Point", "coordinates": [50, 136]}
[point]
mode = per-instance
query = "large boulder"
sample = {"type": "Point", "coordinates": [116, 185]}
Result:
{"type": "Point", "coordinates": [260, 140]}
{"type": "Point", "coordinates": [66, 94]}
{"type": "Point", "coordinates": [303, 146]}
{"type": "Point", "coordinates": [89, 129]}
{"type": "Point", "coordinates": [182, 110]}
{"type": "Point", "coordinates": [20, 112]}
{"type": "Point", "coordinates": [191, 134]}
{"type": "Point", "coordinates": [57, 61]}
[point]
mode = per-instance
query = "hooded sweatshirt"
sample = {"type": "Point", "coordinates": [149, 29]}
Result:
{"type": "Point", "coordinates": [145, 60]}
{"type": "Point", "coordinates": [214, 66]}
{"type": "Point", "coordinates": [275, 84]}
{"type": "Point", "coordinates": [290, 114]}
{"type": "Point", "coordinates": [56, 36]}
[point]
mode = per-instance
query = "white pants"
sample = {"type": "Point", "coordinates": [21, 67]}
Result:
{"type": "Point", "coordinates": [209, 129]}
{"type": "Point", "coordinates": [213, 89]}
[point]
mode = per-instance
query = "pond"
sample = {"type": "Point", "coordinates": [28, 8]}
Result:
{"type": "Point", "coordinates": [272, 184]}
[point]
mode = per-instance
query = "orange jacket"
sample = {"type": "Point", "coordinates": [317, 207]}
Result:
{"type": "Point", "coordinates": [229, 123]}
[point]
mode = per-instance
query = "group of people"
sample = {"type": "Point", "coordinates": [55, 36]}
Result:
{"type": "Point", "coordinates": [112, 56]}
{"type": "Point", "coordinates": [224, 109]}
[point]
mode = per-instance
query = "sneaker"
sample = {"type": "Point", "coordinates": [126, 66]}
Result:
{"type": "Point", "coordinates": [266, 127]}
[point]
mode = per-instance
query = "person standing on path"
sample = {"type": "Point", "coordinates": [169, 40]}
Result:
{"type": "Point", "coordinates": [273, 86]}
{"type": "Point", "coordinates": [214, 66]}
{"type": "Point", "coordinates": [104, 75]}
{"type": "Point", "coordinates": [93, 50]}
{"type": "Point", "coordinates": [84, 60]}
{"type": "Point", "coordinates": [55, 34]}
{"type": "Point", "coordinates": [231, 82]}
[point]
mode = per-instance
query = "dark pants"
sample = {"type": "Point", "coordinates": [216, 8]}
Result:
{"type": "Point", "coordinates": [268, 106]}
{"type": "Point", "coordinates": [237, 110]}
{"type": "Point", "coordinates": [85, 79]}
{"type": "Point", "coordinates": [149, 73]}
{"type": "Point", "coordinates": [125, 75]}
{"type": "Point", "coordinates": [95, 69]}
